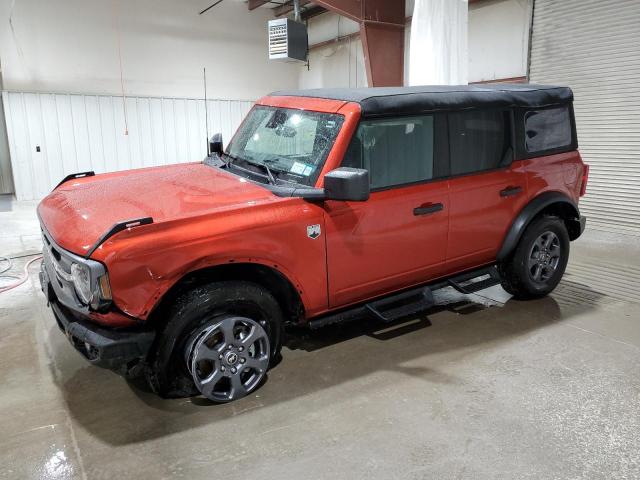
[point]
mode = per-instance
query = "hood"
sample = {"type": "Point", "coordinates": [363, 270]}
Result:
{"type": "Point", "coordinates": [79, 212]}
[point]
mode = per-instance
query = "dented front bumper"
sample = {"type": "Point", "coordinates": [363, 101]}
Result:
{"type": "Point", "coordinates": [119, 349]}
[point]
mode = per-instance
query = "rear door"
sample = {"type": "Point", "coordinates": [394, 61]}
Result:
{"type": "Point", "coordinates": [398, 237]}
{"type": "Point", "coordinates": [487, 189]}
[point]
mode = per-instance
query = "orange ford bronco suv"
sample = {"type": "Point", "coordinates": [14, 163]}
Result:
{"type": "Point", "coordinates": [326, 205]}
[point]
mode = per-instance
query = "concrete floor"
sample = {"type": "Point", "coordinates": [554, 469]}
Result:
{"type": "Point", "coordinates": [541, 389]}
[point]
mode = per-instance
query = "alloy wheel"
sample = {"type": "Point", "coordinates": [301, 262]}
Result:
{"type": "Point", "coordinates": [228, 358]}
{"type": "Point", "coordinates": [544, 257]}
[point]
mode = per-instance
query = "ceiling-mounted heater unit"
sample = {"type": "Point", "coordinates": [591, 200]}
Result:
{"type": "Point", "coordinates": [287, 40]}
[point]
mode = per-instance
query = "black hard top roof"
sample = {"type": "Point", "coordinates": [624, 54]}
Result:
{"type": "Point", "coordinates": [379, 101]}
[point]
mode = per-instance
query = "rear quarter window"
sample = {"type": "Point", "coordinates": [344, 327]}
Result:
{"type": "Point", "coordinates": [480, 140]}
{"type": "Point", "coordinates": [548, 129]}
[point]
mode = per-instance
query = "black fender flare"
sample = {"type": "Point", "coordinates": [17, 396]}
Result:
{"type": "Point", "coordinates": [529, 212]}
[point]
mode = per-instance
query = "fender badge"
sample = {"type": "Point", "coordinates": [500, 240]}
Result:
{"type": "Point", "coordinates": [313, 231]}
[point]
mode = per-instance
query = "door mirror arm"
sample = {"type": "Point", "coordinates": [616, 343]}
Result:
{"type": "Point", "coordinates": [310, 194]}
{"type": "Point", "coordinates": [345, 183]}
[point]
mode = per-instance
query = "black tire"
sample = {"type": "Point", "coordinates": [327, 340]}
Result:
{"type": "Point", "coordinates": [167, 371]}
{"type": "Point", "coordinates": [517, 273]}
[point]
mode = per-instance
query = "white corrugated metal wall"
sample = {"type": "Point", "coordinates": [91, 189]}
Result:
{"type": "Point", "coordinates": [76, 133]}
{"type": "Point", "coordinates": [594, 47]}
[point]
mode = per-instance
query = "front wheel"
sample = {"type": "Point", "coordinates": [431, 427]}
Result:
{"type": "Point", "coordinates": [539, 261]}
{"type": "Point", "coordinates": [219, 341]}
{"type": "Point", "coordinates": [228, 357]}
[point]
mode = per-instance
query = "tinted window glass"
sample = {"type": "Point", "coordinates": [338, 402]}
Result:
{"type": "Point", "coordinates": [395, 151]}
{"type": "Point", "coordinates": [479, 140]}
{"type": "Point", "coordinates": [547, 129]}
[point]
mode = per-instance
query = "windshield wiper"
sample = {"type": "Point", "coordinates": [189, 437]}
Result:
{"type": "Point", "coordinates": [230, 159]}
{"type": "Point", "coordinates": [269, 176]}
{"type": "Point", "coordinates": [255, 163]}
{"type": "Point", "coordinates": [266, 168]}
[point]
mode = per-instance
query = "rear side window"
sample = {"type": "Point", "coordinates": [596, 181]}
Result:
{"type": "Point", "coordinates": [547, 129]}
{"type": "Point", "coordinates": [395, 151]}
{"type": "Point", "coordinates": [479, 140]}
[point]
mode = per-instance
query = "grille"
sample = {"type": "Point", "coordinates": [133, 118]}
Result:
{"type": "Point", "coordinates": [52, 256]}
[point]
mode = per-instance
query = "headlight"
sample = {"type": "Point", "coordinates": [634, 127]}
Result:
{"type": "Point", "coordinates": [82, 282]}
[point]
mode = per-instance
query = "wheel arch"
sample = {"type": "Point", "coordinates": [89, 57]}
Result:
{"type": "Point", "coordinates": [269, 278]}
{"type": "Point", "coordinates": [550, 203]}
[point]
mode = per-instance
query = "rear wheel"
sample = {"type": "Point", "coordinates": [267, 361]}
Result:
{"type": "Point", "coordinates": [219, 341]}
{"type": "Point", "coordinates": [539, 261]}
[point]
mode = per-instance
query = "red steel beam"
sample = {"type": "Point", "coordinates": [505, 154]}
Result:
{"type": "Point", "coordinates": [382, 31]}
{"type": "Point", "coordinates": [253, 4]}
{"type": "Point", "coordinates": [288, 7]}
{"type": "Point", "coordinates": [501, 80]}
{"type": "Point", "coordinates": [347, 8]}
{"type": "Point", "coordinates": [311, 12]}
{"type": "Point", "coordinates": [383, 46]}
{"type": "Point", "coordinates": [383, 11]}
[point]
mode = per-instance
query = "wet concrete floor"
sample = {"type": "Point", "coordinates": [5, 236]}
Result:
{"type": "Point", "coordinates": [483, 387]}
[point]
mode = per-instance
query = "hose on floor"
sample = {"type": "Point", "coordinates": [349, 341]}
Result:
{"type": "Point", "coordinates": [19, 280]}
{"type": "Point", "coordinates": [9, 263]}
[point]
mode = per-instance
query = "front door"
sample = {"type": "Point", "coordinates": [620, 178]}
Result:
{"type": "Point", "coordinates": [398, 237]}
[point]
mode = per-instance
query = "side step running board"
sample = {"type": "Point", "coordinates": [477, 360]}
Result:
{"type": "Point", "coordinates": [402, 305]}
{"type": "Point", "coordinates": [475, 281]}
{"type": "Point", "coordinates": [385, 310]}
{"type": "Point", "coordinates": [411, 302]}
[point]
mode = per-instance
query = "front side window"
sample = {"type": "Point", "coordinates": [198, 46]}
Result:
{"type": "Point", "coordinates": [394, 151]}
{"type": "Point", "coordinates": [479, 140]}
{"type": "Point", "coordinates": [293, 144]}
{"type": "Point", "coordinates": [547, 129]}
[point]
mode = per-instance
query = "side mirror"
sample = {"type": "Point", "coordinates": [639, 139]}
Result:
{"type": "Point", "coordinates": [215, 144]}
{"type": "Point", "coordinates": [347, 183]}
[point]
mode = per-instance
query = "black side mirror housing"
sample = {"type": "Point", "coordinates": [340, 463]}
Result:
{"type": "Point", "coordinates": [215, 144]}
{"type": "Point", "coordinates": [345, 183]}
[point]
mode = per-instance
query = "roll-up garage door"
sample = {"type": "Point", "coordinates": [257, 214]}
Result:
{"type": "Point", "coordinates": [593, 46]}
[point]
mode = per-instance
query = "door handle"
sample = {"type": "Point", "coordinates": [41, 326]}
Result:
{"type": "Point", "coordinates": [428, 209]}
{"type": "Point", "coordinates": [510, 191]}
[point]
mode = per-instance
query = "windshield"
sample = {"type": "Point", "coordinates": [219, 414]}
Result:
{"type": "Point", "coordinates": [292, 144]}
